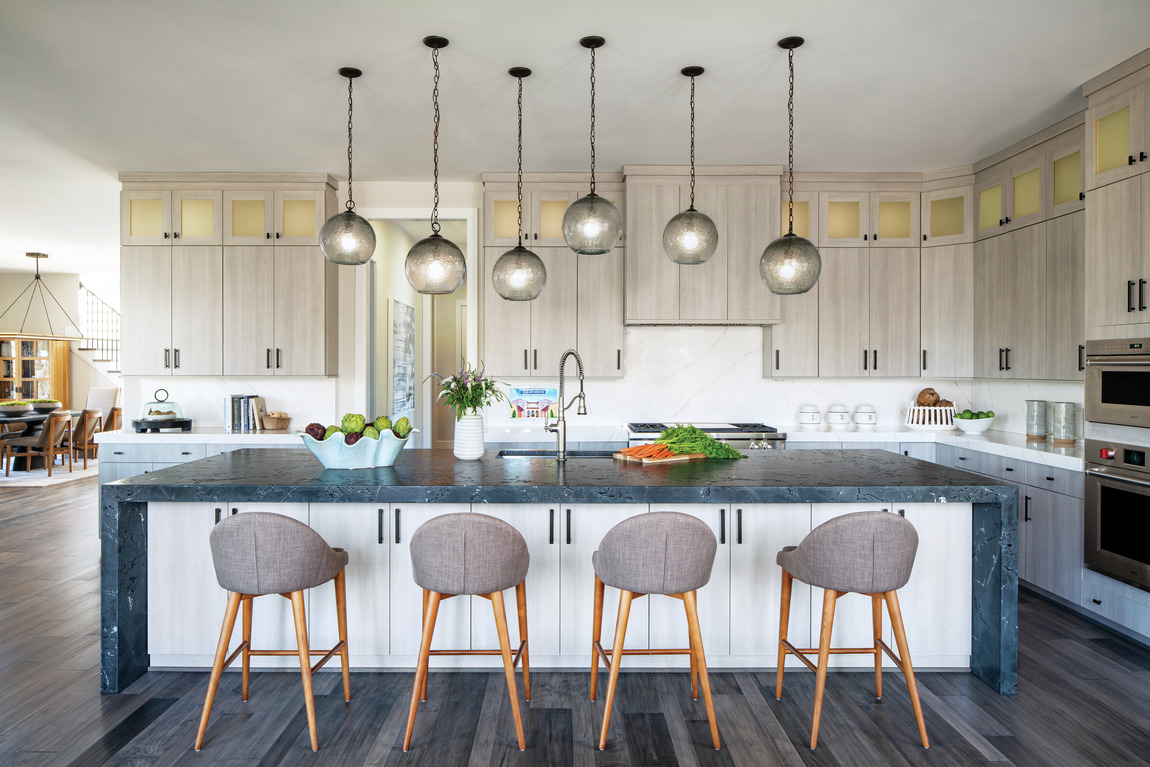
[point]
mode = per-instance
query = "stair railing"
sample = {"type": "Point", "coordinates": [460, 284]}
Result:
{"type": "Point", "coordinates": [100, 324]}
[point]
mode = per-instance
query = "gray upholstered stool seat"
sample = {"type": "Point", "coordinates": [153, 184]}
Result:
{"type": "Point", "coordinates": [471, 554]}
{"type": "Point", "coordinates": [663, 552]}
{"type": "Point", "coordinates": [256, 554]}
{"type": "Point", "coordinates": [868, 552]}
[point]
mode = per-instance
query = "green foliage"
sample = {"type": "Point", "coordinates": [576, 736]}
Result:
{"type": "Point", "coordinates": [468, 391]}
{"type": "Point", "coordinates": [690, 439]}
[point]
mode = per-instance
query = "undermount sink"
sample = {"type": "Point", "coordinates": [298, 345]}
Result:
{"type": "Point", "coordinates": [526, 453]}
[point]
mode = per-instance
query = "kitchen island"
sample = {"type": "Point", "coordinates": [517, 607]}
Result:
{"type": "Point", "coordinates": [755, 506]}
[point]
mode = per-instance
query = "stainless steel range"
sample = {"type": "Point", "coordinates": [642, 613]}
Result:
{"type": "Point", "coordinates": [741, 436]}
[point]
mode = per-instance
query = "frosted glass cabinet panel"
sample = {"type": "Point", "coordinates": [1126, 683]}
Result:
{"type": "Point", "coordinates": [869, 219]}
{"type": "Point", "coordinates": [844, 219]}
{"type": "Point", "coordinates": [146, 218]}
{"type": "Point", "coordinates": [948, 216]}
{"type": "Point", "coordinates": [196, 217]}
{"type": "Point", "coordinates": [1067, 173]}
{"type": "Point", "coordinates": [543, 212]}
{"type": "Point", "coordinates": [248, 218]}
{"type": "Point", "coordinates": [1117, 144]}
{"type": "Point", "coordinates": [298, 217]}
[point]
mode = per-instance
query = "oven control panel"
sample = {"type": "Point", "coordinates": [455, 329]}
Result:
{"type": "Point", "coordinates": [1115, 347]}
{"type": "Point", "coordinates": [1116, 454]}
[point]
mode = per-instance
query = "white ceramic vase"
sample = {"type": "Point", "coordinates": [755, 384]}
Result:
{"type": "Point", "coordinates": [469, 437]}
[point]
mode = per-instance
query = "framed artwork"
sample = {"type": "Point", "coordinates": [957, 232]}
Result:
{"type": "Point", "coordinates": [402, 358]}
{"type": "Point", "coordinates": [541, 402]}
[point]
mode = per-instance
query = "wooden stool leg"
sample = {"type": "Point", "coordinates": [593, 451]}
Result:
{"type": "Point", "coordinates": [426, 601]}
{"type": "Point", "coordinates": [876, 623]}
{"type": "Point", "coordinates": [694, 666]}
{"type": "Point", "coordinates": [784, 623]}
{"type": "Point", "coordinates": [596, 632]}
{"type": "Point", "coordinates": [246, 655]}
{"type": "Point", "coordinates": [521, 609]}
{"type": "Point", "coordinates": [297, 610]}
{"type": "Point", "coordinates": [341, 620]}
{"type": "Point", "coordinates": [508, 669]}
{"type": "Point", "coordinates": [625, 598]}
{"type": "Point", "coordinates": [829, 598]}
{"type": "Point", "coordinates": [218, 664]}
{"type": "Point", "coordinates": [907, 669]}
{"type": "Point", "coordinates": [691, 604]}
{"type": "Point", "coordinates": [49, 459]}
{"type": "Point", "coordinates": [421, 665]}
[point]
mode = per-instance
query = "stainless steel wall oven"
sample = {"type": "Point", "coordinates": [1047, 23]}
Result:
{"type": "Point", "coordinates": [1118, 382]}
{"type": "Point", "coordinates": [1117, 535]}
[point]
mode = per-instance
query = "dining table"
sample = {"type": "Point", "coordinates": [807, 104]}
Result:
{"type": "Point", "coordinates": [33, 424]}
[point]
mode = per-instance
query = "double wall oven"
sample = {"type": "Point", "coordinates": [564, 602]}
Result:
{"type": "Point", "coordinates": [1117, 533]}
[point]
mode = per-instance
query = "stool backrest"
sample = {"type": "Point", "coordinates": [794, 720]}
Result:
{"type": "Point", "coordinates": [663, 552]}
{"type": "Point", "coordinates": [261, 553]}
{"type": "Point", "coordinates": [868, 552]}
{"type": "Point", "coordinates": [468, 554]}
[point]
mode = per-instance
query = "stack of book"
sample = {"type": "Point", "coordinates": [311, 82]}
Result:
{"type": "Point", "coordinates": [244, 413]}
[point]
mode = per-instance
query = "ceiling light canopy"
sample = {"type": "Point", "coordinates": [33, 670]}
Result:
{"type": "Point", "coordinates": [592, 225]}
{"type": "Point", "coordinates": [791, 264]}
{"type": "Point", "coordinates": [519, 274]}
{"type": "Point", "coordinates": [435, 265]}
{"type": "Point", "coordinates": [347, 238]}
{"type": "Point", "coordinates": [691, 237]}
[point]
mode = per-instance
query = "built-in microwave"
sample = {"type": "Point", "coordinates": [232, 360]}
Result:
{"type": "Point", "coordinates": [1118, 382]}
{"type": "Point", "coordinates": [1117, 533]}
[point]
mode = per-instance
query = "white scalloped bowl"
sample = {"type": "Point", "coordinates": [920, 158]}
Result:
{"type": "Point", "coordinates": [973, 425]}
{"type": "Point", "coordinates": [367, 453]}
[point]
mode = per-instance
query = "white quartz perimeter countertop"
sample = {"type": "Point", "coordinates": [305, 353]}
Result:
{"type": "Point", "coordinates": [207, 435]}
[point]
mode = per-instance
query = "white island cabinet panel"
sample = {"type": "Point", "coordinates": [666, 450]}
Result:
{"type": "Point", "coordinates": [539, 524]}
{"type": "Point", "coordinates": [668, 615]}
{"type": "Point", "coordinates": [757, 533]}
{"type": "Point", "coordinates": [360, 529]}
{"type": "Point", "coordinates": [453, 622]}
{"type": "Point", "coordinates": [583, 527]}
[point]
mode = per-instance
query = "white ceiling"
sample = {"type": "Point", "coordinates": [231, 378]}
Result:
{"type": "Point", "coordinates": [89, 89]}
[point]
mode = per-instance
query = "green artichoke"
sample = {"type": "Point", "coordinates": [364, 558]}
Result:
{"type": "Point", "coordinates": [352, 423]}
{"type": "Point", "coordinates": [382, 423]}
{"type": "Point", "coordinates": [402, 428]}
{"type": "Point", "coordinates": [371, 431]}
{"type": "Point", "coordinates": [330, 431]}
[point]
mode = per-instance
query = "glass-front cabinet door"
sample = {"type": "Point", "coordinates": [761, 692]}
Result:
{"type": "Point", "coordinates": [146, 217]}
{"type": "Point", "coordinates": [991, 198]}
{"type": "Point", "coordinates": [196, 217]}
{"type": "Point", "coordinates": [948, 216]}
{"type": "Point", "coordinates": [1065, 189]}
{"type": "Point", "coordinates": [298, 217]}
{"type": "Point", "coordinates": [248, 218]}
{"type": "Point", "coordinates": [1116, 140]}
{"type": "Point", "coordinates": [1028, 193]}
{"type": "Point", "coordinates": [894, 219]}
{"type": "Point", "coordinates": [844, 219]}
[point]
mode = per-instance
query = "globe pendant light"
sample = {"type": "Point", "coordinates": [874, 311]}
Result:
{"type": "Point", "coordinates": [347, 238]}
{"type": "Point", "coordinates": [791, 264]}
{"type": "Point", "coordinates": [435, 265]}
{"type": "Point", "coordinates": [691, 237]}
{"type": "Point", "coordinates": [592, 225]}
{"type": "Point", "coordinates": [519, 274]}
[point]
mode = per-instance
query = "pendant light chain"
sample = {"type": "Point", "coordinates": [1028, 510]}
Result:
{"type": "Point", "coordinates": [791, 145]}
{"type": "Point", "coordinates": [592, 121]}
{"type": "Point", "coordinates": [520, 181]}
{"type": "Point", "coordinates": [435, 143]}
{"type": "Point", "coordinates": [350, 202]}
{"type": "Point", "coordinates": [692, 143]}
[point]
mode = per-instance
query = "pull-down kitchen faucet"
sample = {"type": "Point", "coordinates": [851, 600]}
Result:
{"type": "Point", "coordinates": [560, 426]}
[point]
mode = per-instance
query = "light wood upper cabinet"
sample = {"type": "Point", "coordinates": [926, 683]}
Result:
{"type": "Point", "coordinates": [1117, 136]}
{"type": "Point", "coordinates": [652, 279]}
{"type": "Point", "coordinates": [1118, 253]}
{"type": "Point", "coordinates": [1014, 193]}
{"type": "Point", "coordinates": [894, 220]}
{"type": "Point", "coordinates": [506, 325]}
{"type": "Point", "coordinates": [869, 219]}
{"type": "Point", "coordinates": [1010, 305]}
{"type": "Point", "coordinates": [792, 346]}
{"type": "Point", "coordinates": [946, 311]}
{"type": "Point", "coordinates": [543, 211]}
{"type": "Point", "coordinates": [752, 225]}
{"type": "Point", "coordinates": [894, 312]}
{"type": "Point", "coordinates": [703, 287]}
{"type": "Point", "coordinates": [1066, 177]}
{"type": "Point", "coordinates": [249, 217]}
{"type": "Point", "coordinates": [298, 217]}
{"type": "Point", "coordinates": [171, 217]}
{"type": "Point", "coordinates": [249, 294]}
{"type": "Point", "coordinates": [197, 310]}
{"type": "Point", "coordinates": [948, 216]}
{"type": "Point", "coordinates": [844, 312]}
{"type": "Point", "coordinates": [600, 323]}
{"type": "Point", "coordinates": [1065, 302]}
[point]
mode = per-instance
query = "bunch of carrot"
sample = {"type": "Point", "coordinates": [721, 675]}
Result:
{"type": "Point", "coordinates": [652, 450]}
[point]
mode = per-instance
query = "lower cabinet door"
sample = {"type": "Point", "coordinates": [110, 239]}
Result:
{"type": "Point", "coordinates": [756, 534]}
{"type": "Point", "coordinates": [668, 618]}
{"type": "Point", "coordinates": [582, 528]}
{"type": "Point", "coordinates": [185, 602]}
{"type": "Point", "coordinates": [272, 625]}
{"type": "Point", "coordinates": [453, 622]}
{"type": "Point", "coordinates": [360, 529]}
{"type": "Point", "coordinates": [1053, 546]}
{"type": "Point", "coordinates": [540, 525]}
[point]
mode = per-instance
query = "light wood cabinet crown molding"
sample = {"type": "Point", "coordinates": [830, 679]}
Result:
{"type": "Point", "coordinates": [165, 180]}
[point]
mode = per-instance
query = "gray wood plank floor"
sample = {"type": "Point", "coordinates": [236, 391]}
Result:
{"type": "Point", "coordinates": [1084, 698]}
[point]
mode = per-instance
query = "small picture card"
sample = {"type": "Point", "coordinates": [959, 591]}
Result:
{"type": "Point", "coordinates": [541, 402]}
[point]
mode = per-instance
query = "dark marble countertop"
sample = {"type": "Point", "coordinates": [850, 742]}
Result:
{"type": "Point", "coordinates": [436, 476]}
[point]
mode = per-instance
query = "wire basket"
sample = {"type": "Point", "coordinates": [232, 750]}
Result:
{"type": "Point", "coordinates": [919, 418]}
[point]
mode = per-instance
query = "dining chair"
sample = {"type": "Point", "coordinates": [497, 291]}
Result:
{"type": "Point", "coordinates": [47, 444]}
{"type": "Point", "coordinates": [81, 440]}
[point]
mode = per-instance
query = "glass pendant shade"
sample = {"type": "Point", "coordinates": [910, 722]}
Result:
{"type": "Point", "coordinates": [790, 265]}
{"type": "Point", "coordinates": [592, 225]}
{"type": "Point", "coordinates": [435, 265]}
{"type": "Point", "coordinates": [347, 238]}
{"type": "Point", "coordinates": [690, 237]}
{"type": "Point", "coordinates": [519, 275]}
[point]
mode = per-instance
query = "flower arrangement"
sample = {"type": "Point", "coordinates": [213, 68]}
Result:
{"type": "Point", "coordinates": [468, 391]}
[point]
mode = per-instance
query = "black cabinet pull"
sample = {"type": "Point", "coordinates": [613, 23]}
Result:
{"type": "Point", "coordinates": [235, 511]}
{"type": "Point", "coordinates": [167, 358]}
{"type": "Point", "coordinates": [268, 234]}
{"type": "Point", "coordinates": [739, 526]}
{"type": "Point", "coordinates": [902, 513]}
{"type": "Point", "coordinates": [525, 360]}
{"type": "Point", "coordinates": [1129, 297]}
{"type": "Point", "coordinates": [722, 525]}
{"type": "Point", "coordinates": [175, 235]}
{"type": "Point", "coordinates": [1082, 195]}
{"type": "Point", "coordinates": [924, 359]}
{"type": "Point", "coordinates": [269, 359]}
{"type": "Point", "coordinates": [1026, 509]}
{"type": "Point", "coordinates": [1050, 479]}
{"type": "Point", "coordinates": [277, 357]}
{"type": "Point", "coordinates": [534, 359]}
{"type": "Point", "coordinates": [219, 512]}
{"type": "Point", "coordinates": [277, 235]}
{"type": "Point", "coordinates": [537, 235]}
{"type": "Point", "coordinates": [1081, 362]}
{"type": "Point", "coordinates": [1141, 155]}
{"type": "Point", "coordinates": [618, 359]}
{"type": "Point", "coordinates": [1131, 160]}
{"type": "Point", "coordinates": [864, 238]}
{"type": "Point", "coordinates": [1096, 601]}
{"type": "Point", "coordinates": [874, 237]}
{"type": "Point", "coordinates": [165, 235]}
{"type": "Point", "coordinates": [185, 452]}
{"type": "Point", "coordinates": [1141, 300]}
{"type": "Point", "coordinates": [962, 458]}
{"type": "Point", "coordinates": [1008, 358]}
{"type": "Point", "coordinates": [117, 452]}
{"type": "Point", "coordinates": [176, 356]}
{"type": "Point", "coordinates": [874, 360]}
{"type": "Point", "coordinates": [380, 536]}
{"type": "Point", "coordinates": [1009, 469]}
{"type": "Point", "coordinates": [776, 359]}
{"type": "Point", "coordinates": [551, 534]}
{"type": "Point", "coordinates": [1008, 219]}
{"type": "Point", "coordinates": [1000, 359]}
{"type": "Point", "coordinates": [397, 525]}
{"type": "Point", "coordinates": [568, 527]}
{"type": "Point", "coordinates": [865, 360]}
{"type": "Point", "coordinates": [1001, 222]}
{"type": "Point", "coordinates": [906, 453]}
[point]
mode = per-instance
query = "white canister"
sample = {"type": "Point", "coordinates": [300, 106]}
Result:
{"type": "Point", "coordinates": [809, 418]}
{"type": "Point", "coordinates": [839, 417]}
{"type": "Point", "coordinates": [865, 418]}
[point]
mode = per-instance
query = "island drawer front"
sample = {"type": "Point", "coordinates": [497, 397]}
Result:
{"type": "Point", "coordinates": [166, 452]}
{"type": "Point", "coordinates": [985, 463]}
{"type": "Point", "coordinates": [1062, 481]}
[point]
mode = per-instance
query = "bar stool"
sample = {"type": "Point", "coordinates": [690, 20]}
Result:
{"type": "Point", "coordinates": [471, 554]}
{"type": "Point", "coordinates": [257, 554]}
{"type": "Point", "coordinates": [868, 552]}
{"type": "Point", "coordinates": [663, 552]}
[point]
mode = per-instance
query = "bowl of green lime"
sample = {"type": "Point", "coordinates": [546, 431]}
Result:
{"type": "Point", "coordinates": [974, 421]}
